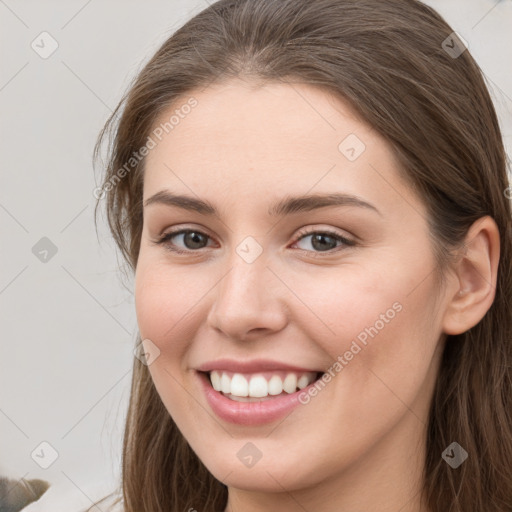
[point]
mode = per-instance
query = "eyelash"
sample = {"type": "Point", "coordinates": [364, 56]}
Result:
{"type": "Point", "coordinates": [164, 239]}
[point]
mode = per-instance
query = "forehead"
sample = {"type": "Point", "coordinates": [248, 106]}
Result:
{"type": "Point", "coordinates": [254, 140]}
{"type": "Point", "coordinates": [245, 112]}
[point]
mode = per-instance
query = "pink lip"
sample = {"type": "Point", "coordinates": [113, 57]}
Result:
{"type": "Point", "coordinates": [249, 413]}
{"type": "Point", "coordinates": [256, 365]}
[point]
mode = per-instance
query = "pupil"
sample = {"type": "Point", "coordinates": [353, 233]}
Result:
{"type": "Point", "coordinates": [322, 244]}
{"type": "Point", "coordinates": [193, 236]}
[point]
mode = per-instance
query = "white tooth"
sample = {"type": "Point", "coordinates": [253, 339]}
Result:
{"type": "Point", "coordinates": [239, 385]}
{"type": "Point", "coordinates": [303, 382]}
{"type": "Point", "coordinates": [215, 380]}
{"type": "Point", "coordinates": [275, 385]}
{"type": "Point", "coordinates": [290, 383]}
{"type": "Point", "coordinates": [225, 383]}
{"type": "Point", "coordinates": [258, 387]}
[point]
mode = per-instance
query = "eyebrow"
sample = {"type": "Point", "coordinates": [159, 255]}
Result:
{"type": "Point", "coordinates": [285, 206]}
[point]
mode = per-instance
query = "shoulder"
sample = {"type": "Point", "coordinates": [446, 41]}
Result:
{"type": "Point", "coordinates": [73, 497]}
{"type": "Point", "coordinates": [18, 493]}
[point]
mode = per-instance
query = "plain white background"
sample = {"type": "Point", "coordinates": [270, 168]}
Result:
{"type": "Point", "coordinates": [68, 323]}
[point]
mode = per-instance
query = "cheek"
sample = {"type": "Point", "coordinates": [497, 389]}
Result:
{"type": "Point", "coordinates": [386, 339]}
{"type": "Point", "coordinates": [378, 319]}
{"type": "Point", "coordinates": [162, 311]}
{"type": "Point", "coordinates": [163, 302]}
{"type": "Point", "coordinates": [344, 305]}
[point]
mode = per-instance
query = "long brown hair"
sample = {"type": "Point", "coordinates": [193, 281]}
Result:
{"type": "Point", "coordinates": [399, 65]}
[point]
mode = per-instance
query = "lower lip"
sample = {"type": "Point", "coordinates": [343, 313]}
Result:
{"type": "Point", "coordinates": [249, 413]}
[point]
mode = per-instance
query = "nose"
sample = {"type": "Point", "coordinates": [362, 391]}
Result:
{"type": "Point", "coordinates": [248, 300]}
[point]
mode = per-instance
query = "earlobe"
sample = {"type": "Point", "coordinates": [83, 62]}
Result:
{"type": "Point", "coordinates": [476, 272]}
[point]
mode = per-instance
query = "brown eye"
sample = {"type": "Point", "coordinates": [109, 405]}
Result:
{"type": "Point", "coordinates": [324, 241]}
{"type": "Point", "coordinates": [191, 239]}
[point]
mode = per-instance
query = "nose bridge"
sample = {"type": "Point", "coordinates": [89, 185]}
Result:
{"type": "Point", "coordinates": [242, 285]}
{"type": "Point", "coordinates": [245, 299]}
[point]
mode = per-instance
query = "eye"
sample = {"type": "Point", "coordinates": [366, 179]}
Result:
{"type": "Point", "coordinates": [323, 241]}
{"type": "Point", "coordinates": [191, 237]}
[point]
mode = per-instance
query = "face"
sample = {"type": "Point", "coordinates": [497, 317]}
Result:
{"type": "Point", "coordinates": [261, 291]}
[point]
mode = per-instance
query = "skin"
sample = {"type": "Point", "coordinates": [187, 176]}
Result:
{"type": "Point", "coordinates": [243, 147]}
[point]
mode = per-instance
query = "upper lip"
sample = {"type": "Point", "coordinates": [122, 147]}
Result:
{"type": "Point", "coordinates": [255, 365]}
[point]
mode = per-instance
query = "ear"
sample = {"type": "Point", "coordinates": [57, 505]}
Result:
{"type": "Point", "coordinates": [476, 274]}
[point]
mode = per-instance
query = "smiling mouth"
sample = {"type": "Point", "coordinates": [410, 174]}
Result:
{"type": "Point", "coordinates": [260, 386]}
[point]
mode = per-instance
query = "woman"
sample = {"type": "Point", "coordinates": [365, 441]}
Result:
{"type": "Point", "coordinates": [275, 372]}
